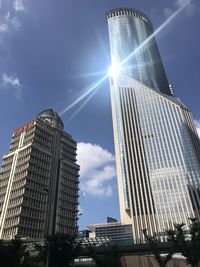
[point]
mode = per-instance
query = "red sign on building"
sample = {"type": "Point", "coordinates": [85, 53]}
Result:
{"type": "Point", "coordinates": [23, 128]}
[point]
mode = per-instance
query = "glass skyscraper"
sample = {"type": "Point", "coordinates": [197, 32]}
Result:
{"type": "Point", "coordinates": [156, 142]}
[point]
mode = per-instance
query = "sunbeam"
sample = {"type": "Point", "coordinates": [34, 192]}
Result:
{"type": "Point", "coordinates": [84, 94]}
{"type": "Point", "coordinates": [89, 74]}
{"type": "Point", "coordinates": [82, 105]}
{"type": "Point", "coordinates": [96, 86]}
{"type": "Point", "coordinates": [158, 30]}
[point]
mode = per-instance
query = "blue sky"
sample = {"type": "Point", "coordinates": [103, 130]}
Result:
{"type": "Point", "coordinates": [52, 51]}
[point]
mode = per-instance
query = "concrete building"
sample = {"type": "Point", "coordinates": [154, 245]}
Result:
{"type": "Point", "coordinates": [39, 180]}
{"type": "Point", "coordinates": [156, 143]}
{"type": "Point", "coordinates": [117, 233]}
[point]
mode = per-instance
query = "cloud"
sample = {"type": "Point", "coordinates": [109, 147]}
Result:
{"type": "Point", "coordinates": [97, 169]}
{"type": "Point", "coordinates": [70, 91]}
{"type": "Point", "coordinates": [189, 9]}
{"type": "Point", "coordinates": [197, 124]}
{"type": "Point", "coordinates": [12, 82]}
{"type": "Point", "coordinates": [8, 22]}
{"type": "Point", "coordinates": [168, 12]}
{"type": "Point", "coordinates": [3, 27]}
{"type": "Point", "coordinates": [4, 22]}
{"type": "Point", "coordinates": [9, 16]}
{"type": "Point", "coordinates": [18, 5]}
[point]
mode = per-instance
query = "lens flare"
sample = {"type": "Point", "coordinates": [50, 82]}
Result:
{"type": "Point", "coordinates": [156, 32]}
{"type": "Point", "coordinates": [115, 69]}
{"type": "Point", "coordinates": [82, 105]}
{"type": "Point", "coordinates": [85, 94]}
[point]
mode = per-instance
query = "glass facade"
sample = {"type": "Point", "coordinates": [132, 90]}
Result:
{"type": "Point", "coordinates": [156, 143]}
{"type": "Point", "coordinates": [128, 30]}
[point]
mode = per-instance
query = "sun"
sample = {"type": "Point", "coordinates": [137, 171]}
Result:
{"type": "Point", "coordinates": [114, 69]}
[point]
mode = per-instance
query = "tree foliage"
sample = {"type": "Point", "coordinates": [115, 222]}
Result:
{"type": "Point", "coordinates": [185, 242]}
{"type": "Point", "coordinates": [14, 254]}
{"type": "Point", "coordinates": [59, 250]}
{"type": "Point", "coordinates": [154, 245]}
{"type": "Point", "coordinates": [112, 259]}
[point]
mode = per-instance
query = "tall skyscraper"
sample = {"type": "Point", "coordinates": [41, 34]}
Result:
{"type": "Point", "coordinates": [39, 180]}
{"type": "Point", "coordinates": [156, 142]}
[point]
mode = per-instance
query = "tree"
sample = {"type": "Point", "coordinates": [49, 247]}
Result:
{"type": "Point", "coordinates": [153, 243]}
{"type": "Point", "coordinates": [42, 250]}
{"type": "Point", "coordinates": [111, 259]}
{"type": "Point", "coordinates": [3, 254]}
{"type": "Point", "coordinates": [14, 254]}
{"type": "Point", "coordinates": [187, 242]}
{"type": "Point", "coordinates": [59, 250]}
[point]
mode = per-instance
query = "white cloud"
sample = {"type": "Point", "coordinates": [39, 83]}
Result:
{"type": "Point", "coordinates": [168, 12]}
{"type": "Point", "coordinates": [179, 3]}
{"type": "Point", "coordinates": [97, 169]}
{"type": "Point", "coordinates": [4, 22]}
{"type": "Point", "coordinates": [12, 81]}
{"type": "Point", "coordinates": [197, 123]}
{"type": "Point", "coordinates": [3, 27]}
{"type": "Point", "coordinates": [189, 8]}
{"type": "Point", "coordinates": [8, 22]}
{"type": "Point", "coordinates": [9, 15]}
{"type": "Point", "coordinates": [18, 5]}
{"type": "Point", "coordinates": [70, 91]}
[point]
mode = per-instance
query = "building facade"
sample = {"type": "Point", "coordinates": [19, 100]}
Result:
{"type": "Point", "coordinates": [156, 143]}
{"type": "Point", "coordinates": [132, 44]}
{"type": "Point", "coordinates": [39, 180]}
{"type": "Point", "coordinates": [116, 232]}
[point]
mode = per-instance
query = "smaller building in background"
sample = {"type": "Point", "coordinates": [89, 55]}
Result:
{"type": "Point", "coordinates": [116, 232]}
{"type": "Point", "coordinates": [110, 220]}
{"type": "Point", "coordinates": [83, 234]}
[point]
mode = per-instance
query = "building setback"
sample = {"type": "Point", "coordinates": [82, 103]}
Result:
{"type": "Point", "coordinates": [39, 180]}
{"type": "Point", "coordinates": [156, 143]}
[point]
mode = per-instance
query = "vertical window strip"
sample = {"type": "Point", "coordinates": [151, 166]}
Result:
{"type": "Point", "coordinates": [158, 163]}
{"type": "Point", "coordinates": [145, 176]}
{"type": "Point", "coordinates": [132, 109]}
{"type": "Point", "coordinates": [168, 129]}
{"type": "Point", "coordinates": [136, 203]}
{"type": "Point", "coordinates": [178, 123]}
{"type": "Point", "coordinates": [144, 95]}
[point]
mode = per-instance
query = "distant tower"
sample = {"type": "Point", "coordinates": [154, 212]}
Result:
{"type": "Point", "coordinates": [156, 142]}
{"type": "Point", "coordinates": [39, 180]}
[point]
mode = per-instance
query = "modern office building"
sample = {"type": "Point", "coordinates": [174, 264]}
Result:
{"type": "Point", "coordinates": [156, 142]}
{"type": "Point", "coordinates": [116, 232]}
{"type": "Point", "coordinates": [39, 180]}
